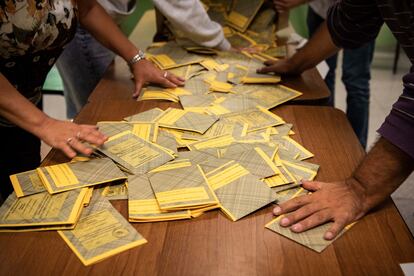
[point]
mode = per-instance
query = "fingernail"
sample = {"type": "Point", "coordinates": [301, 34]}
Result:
{"type": "Point", "coordinates": [277, 210]}
{"type": "Point", "coordinates": [297, 227]}
{"type": "Point", "coordinates": [328, 236]}
{"type": "Point", "coordinates": [284, 222]}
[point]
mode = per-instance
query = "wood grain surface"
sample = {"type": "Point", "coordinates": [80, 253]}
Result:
{"type": "Point", "coordinates": [214, 245]}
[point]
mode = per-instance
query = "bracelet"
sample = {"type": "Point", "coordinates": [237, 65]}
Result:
{"type": "Point", "coordinates": [136, 58]}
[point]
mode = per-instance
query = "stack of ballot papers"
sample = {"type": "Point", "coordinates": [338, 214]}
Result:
{"type": "Point", "coordinates": [224, 150]}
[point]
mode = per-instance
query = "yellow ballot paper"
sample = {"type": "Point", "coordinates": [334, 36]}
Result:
{"type": "Point", "coordinates": [181, 189]}
{"type": "Point", "coordinates": [135, 154]}
{"type": "Point", "coordinates": [160, 93]}
{"type": "Point", "coordinates": [27, 183]}
{"type": "Point", "coordinates": [256, 119]}
{"type": "Point", "coordinates": [292, 146]}
{"type": "Point", "coordinates": [100, 233]}
{"type": "Point", "coordinates": [186, 120]}
{"type": "Point", "coordinates": [312, 238]}
{"type": "Point", "coordinates": [146, 116]}
{"type": "Point", "coordinates": [143, 206]}
{"type": "Point", "coordinates": [111, 128]}
{"type": "Point", "coordinates": [239, 192]}
{"type": "Point", "coordinates": [69, 176]}
{"type": "Point", "coordinates": [114, 192]}
{"type": "Point", "coordinates": [242, 13]}
{"type": "Point", "coordinates": [171, 55]}
{"type": "Point", "coordinates": [219, 128]}
{"type": "Point", "coordinates": [255, 161]}
{"type": "Point", "coordinates": [42, 209]}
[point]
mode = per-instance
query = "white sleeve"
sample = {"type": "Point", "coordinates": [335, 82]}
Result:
{"type": "Point", "coordinates": [190, 18]}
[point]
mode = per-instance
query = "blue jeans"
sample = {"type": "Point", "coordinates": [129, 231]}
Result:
{"type": "Point", "coordinates": [81, 66]}
{"type": "Point", "coordinates": [355, 76]}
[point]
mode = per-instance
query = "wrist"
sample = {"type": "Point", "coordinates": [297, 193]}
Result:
{"type": "Point", "coordinates": [357, 187]}
{"type": "Point", "coordinates": [140, 55]}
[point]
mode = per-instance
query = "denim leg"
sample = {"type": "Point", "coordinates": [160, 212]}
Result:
{"type": "Point", "coordinates": [81, 66]}
{"type": "Point", "coordinates": [356, 76]}
{"type": "Point", "coordinates": [314, 21]}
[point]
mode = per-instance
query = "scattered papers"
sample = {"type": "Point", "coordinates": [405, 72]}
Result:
{"type": "Point", "coordinates": [70, 176]}
{"type": "Point", "coordinates": [101, 232]}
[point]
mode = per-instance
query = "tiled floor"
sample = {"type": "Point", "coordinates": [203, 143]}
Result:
{"type": "Point", "coordinates": [385, 89]}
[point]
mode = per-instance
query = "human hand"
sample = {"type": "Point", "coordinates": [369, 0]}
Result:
{"type": "Point", "coordinates": [281, 66]}
{"type": "Point", "coordinates": [340, 202]}
{"type": "Point", "coordinates": [145, 71]}
{"type": "Point", "coordinates": [285, 5]}
{"type": "Point", "coordinates": [68, 136]}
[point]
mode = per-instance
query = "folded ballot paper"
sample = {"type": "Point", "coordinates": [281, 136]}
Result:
{"type": "Point", "coordinates": [101, 232]}
{"type": "Point", "coordinates": [144, 207]}
{"type": "Point", "coordinates": [186, 120]}
{"type": "Point", "coordinates": [257, 118]}
{"type": "Point", "coordinates": [42, 211]}
{"type": "Point", "coordinates": [232, 179]}
{"type": "Point", "coordinates": [134, 154]}
{"type": "Point", "coordinates": [312, 238]}
{"type": "Point", "coordinates": [243, 13]}
{"type": "Point", "coordinates": [181, 189]}
{"type": "Point", "coordinates": [69, 176]}
{"type": "Point", "coordinates": [27, 183]}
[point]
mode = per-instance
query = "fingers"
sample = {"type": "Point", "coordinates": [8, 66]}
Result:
{"type": "Point", "coordinates": [269, 62]}
{"type": "Point", "coordinates": [335, 229]}
{"type": "Point", "coordinates": [67, 150]}
{"type": "Point", "coordinates": [138, 87]}
{"type": "Point", "coordinates": [268, 69]}
{"type": "Point", "coordinates": [91, 135]}
{"type": "Point", "coordinates": [299, 214]}
{"type": "Point", "coordinates": [79, 147]}
{"type": "Point", "coordinates": [175, 79]}
{"type": "Point", "coordinates": [312, 185]}
{"type": "Point", "coordinates": [292, 205]}
{"type": "Point", "coordinates": [311, 221]}
{"type": "Point", "coordinates": [166, 83]}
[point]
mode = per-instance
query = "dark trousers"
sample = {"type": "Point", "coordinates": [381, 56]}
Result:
{"type": "Point", "coordinates": [20, 152]}
{"type": "Point", "coordinates": [356, 75]}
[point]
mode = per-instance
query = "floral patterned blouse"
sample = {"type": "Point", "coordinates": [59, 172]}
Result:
{"type": "Point", "coordinates": [32, 36]}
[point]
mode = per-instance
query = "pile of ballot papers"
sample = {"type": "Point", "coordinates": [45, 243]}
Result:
{"type": "Point", "coordinates": [224, 150]}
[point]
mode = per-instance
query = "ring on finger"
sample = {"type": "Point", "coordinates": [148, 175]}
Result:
{"type": "Point", "coordinates": [69, 140]}
{"type": "Point", "coordinates": [165, 74]}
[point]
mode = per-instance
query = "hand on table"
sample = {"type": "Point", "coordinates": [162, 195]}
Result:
{"type": "Point", "coordinates": [283, 67]}
{"type": "Point", "coordinates": [145, 71]}
{"type": "Point", "coordinates": [285, 5]}
{"type": "Point", "coordinates": [68, 136]}
{"type": "Point", "coordinates": [339, 202]}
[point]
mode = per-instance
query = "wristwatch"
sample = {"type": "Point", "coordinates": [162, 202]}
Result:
{"type": "Point", "coordinates": [136, 58]}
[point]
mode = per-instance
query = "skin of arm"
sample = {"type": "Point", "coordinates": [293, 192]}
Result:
{"type": "Point", "coordinates": [94, 18]}
{"type": "Point", "coordinates": [381, 172]}
{"type": "Point", "coordinates": [20, 111]}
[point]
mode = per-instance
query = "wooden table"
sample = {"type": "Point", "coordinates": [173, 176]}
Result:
{"type": "Point", "coordinates": [214, 245]}
{"type": "Point", "coordinates": [117, 84]}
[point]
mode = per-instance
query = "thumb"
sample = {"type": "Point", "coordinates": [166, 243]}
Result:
{"type": "Point", "coordinates": [138, 87]}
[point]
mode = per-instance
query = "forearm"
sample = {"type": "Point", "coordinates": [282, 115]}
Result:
{"type": "Point", "coordinates": [94, 18]}
{"type": "Point", "coordinates": [381, 172]}
{"type": "Point", "coordinates": [319, 47]}
{"type": "Point", "coordinates": [19, 110]}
